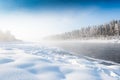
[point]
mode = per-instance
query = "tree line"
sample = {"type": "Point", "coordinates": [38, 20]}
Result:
{"type": "Point", "coordinates": [110, 30]}
{"type": "Point", "coordinates": [6, 36]}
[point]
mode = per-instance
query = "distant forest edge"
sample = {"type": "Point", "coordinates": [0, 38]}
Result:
{"type": "Point", "coordinates": [7, 37]}
{"type": "Point", "coordinates": [110, 30]}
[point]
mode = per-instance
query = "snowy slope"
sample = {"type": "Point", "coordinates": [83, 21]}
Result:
{"type": "Point", "coordinates": [34, 62]}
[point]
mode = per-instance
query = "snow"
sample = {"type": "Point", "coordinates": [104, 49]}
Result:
{"type": "Point", "coordinates": [35, 62]}
{"type": "Point", "coordinates": [84, 41]}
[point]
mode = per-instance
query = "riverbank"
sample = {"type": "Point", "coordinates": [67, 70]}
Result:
{"type": "Point", "coordinates": [80, 41]}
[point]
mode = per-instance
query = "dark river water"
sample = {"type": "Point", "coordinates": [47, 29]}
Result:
{"type": "Point", "coordinates": [105, 51]}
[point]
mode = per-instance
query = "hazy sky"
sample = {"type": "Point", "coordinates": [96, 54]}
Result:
{"type": "Point", "coordinates": [31, 20]}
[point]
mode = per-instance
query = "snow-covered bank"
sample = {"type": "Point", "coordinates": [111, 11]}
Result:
{"type": "Point", "coordinates": [82, 41]}
{"type": "Point", "coordinates": [99, 41]}
{"type": "Point", "coordinates": [34, 62]}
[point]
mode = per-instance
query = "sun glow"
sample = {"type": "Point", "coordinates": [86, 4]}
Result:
{"type": "Point", "coordinates": [28, 27]}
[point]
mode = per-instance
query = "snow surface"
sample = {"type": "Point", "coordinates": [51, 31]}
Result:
{"type": "Point", "coordinates": [82, 41]}
{"type": "Point", "coordinates": [35, 62]}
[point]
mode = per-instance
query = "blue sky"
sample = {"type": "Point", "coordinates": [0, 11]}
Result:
{"type": "Point", "coordinates": [31, 20]}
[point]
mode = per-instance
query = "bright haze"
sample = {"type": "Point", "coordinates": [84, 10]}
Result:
{"type": "Point", "coordinates": [31, 20]}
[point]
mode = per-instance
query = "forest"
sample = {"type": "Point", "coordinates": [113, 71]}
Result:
{"type": "Point", "coordinates": [109, 30]}
{"type": "Point", "coordinates": [7, 36]}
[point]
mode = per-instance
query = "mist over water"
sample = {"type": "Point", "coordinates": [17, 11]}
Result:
{"type": "Point", "coordinates": [103, 51]}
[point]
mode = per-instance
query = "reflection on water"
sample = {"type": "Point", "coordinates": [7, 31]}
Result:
{"type": "Point", "coordinates": [105, 51]}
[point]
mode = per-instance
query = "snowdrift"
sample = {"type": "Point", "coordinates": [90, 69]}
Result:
{"type": "Point", "coordinates": [34, 62]}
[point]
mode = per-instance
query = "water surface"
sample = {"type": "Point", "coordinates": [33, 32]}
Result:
{"type": "Point", "coordinates": [105, 51]}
